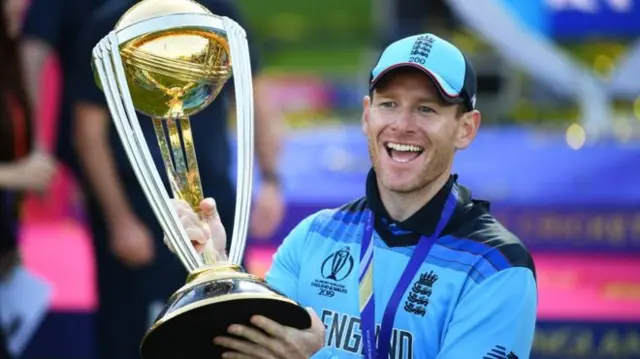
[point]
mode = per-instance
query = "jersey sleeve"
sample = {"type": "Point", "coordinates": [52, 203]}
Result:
{"type": "Point", "coordinates": [495, 319]}
{"type": "Point", "coordinates": [285, 268]}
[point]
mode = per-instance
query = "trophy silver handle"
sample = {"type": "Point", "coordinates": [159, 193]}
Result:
{"type": "Point", "coordinates": [243, 85]}
{"type": "Point", "coordinates": [108, 65]}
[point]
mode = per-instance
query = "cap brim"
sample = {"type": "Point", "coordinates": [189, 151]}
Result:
{"type": "Point", "coordinates": [447, 92]}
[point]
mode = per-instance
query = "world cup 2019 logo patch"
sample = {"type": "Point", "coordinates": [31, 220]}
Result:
{"type": "Point", "coordinates": [338, 265]}
{"type": "Point", "coordinates": [334, 269]}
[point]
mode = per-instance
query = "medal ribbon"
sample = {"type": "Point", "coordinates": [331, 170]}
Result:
{"type": "Point", "coordinates": [366, 292]}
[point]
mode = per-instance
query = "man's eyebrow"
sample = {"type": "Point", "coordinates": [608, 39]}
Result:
{"type": "Point", "coordinates": [422, 99]}
{"type": "Point", "coordinates": [432, 99]}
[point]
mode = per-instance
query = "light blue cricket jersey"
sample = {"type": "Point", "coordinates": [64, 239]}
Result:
{"type": "Point", "coordinates": [474, 296]}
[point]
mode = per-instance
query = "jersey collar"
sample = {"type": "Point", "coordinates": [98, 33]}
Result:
{"type": "Point", "coordinates": [423, 222]}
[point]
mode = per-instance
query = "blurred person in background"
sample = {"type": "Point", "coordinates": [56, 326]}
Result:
{"type": "Point", "coordinates": [22, 168]}
{"type": "Point", "coordinates": [407, 17]}
{"type": "Point", "coordinates": [51, 28]}
{"type": "Point", "coordinates": [135, 273]}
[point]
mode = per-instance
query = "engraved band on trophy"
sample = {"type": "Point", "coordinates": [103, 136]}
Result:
{"type": "Point", "coordinates": [168, 60]}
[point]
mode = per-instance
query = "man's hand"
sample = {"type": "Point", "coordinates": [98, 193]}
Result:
{"type": "Point", "coordinates": [33, 172]}
{"type": "Point", "coordinates": [272, 340]}
{"type": "Point", "coordinates": [132, 242]}
{"type": "Point", "coordinates": [198, 233]}
{"type": "Point", "coordinates": [267, 211]}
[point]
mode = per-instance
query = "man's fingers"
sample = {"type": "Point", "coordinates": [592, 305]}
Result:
{"type": "Point", "coordinates": [317, 326]}
{"type": "Point", "coordinates": [180, 204]}
{"type": "Point", "coordinates": [196, 235]}
{"type": "Point", "coordinates": [190, 219]}
{"type": "Point", "coordinates": [236, 355]}
{"type": "Point", "coordinates": [208, 207]}
{"type": "Point", "coordinates": [258, 337]}
{"type": "Point", "coordinates": [272, 328]}
{"type": "Point", "coordinates": [198, 247]}
{"type": "Point", "coordinates": [184, 211]}
{"type": "Point", "coordinates": [243, 347]}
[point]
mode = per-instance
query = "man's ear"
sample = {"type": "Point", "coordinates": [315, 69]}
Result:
{"type": "Point", "coordinates": [468, 125]}
{"type": "Point", "coordinates": [366, 107]}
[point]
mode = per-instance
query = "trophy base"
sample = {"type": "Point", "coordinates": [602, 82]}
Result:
{"type": "Point", "coordinates": [212, 300]}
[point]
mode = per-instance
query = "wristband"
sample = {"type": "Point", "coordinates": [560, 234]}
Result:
{"type": "Point", "coordinates": [270, 177]}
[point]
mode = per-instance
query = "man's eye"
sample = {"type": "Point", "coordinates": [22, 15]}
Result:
{"type": "Point", "coordinates": [387, 104]}
{"type": "Point", "coordinates": [426, 109]}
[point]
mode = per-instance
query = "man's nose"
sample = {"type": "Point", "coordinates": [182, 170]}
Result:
{"type": "Point", "coordinates": [404, 121]}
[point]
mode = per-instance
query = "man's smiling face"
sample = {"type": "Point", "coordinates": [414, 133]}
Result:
{"type": "Point", "coordinates": [412, 132]}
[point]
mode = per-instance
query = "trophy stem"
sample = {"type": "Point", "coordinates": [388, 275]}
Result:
{"type": "Point", "coordinates": [189, 194]}
{"type": "Point", "coordinates": [165, 152]}
{"type": "Point", "coordinates": [183, 175]}
{"type": "Point", "coordinates": [193, 177]}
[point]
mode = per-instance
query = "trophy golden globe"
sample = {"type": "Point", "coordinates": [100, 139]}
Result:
{"type": "Point", "coordinates": [168, 60]}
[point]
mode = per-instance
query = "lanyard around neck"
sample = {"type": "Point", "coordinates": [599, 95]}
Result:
{"type": "Point", "coordinates": [366, 290]}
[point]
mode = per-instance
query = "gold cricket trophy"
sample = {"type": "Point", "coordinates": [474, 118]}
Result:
{"type": "Point", "coordinates": [168, 60]}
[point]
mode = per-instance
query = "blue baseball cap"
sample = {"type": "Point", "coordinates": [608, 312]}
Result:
{"type": "Point", "coordinates": [444, 63]}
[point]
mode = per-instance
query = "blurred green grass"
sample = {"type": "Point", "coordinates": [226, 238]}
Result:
{"type": "Point", "coordinates": [328, 36]}
{"type": "Point", "coordinates": [331, 37]}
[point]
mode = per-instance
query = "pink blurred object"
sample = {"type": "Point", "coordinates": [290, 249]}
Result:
{"type": "Point", "coordinates": [60, 252]}
{"type": "Point", "coordinates": [53, 239]}
{"type": "Point", "coordinates": [62, 199]}
{"type": "Point", "coordinates": [588, 287]}
{"type": "Point", "coordinates": [299, 93]}
{"type": "Point", "coordinates": [258, 259]}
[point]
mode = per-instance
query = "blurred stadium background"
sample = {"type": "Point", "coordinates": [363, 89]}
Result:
{"type": "Point", "coordinates": [559, 163]}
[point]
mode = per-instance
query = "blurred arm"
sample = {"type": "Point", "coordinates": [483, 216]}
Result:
{"type": "Point", "coordinates": [34, 52]}
{"type": "Point", "coordinates": [8, 175]}
{"type": "Point", "coordinates": [91, 140]}
{"type": "Point", "coordinates": [495, 319]}
{"type": "Point", "coordinates": [285, 268]}
{"type": "Point", "coordinates": [269, 130]}
{"type": "Point", "coordinates": [91, 130]}
{"type": "Point", "coordinates": [268, 120]}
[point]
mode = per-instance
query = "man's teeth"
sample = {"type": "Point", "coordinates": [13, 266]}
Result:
{"type": "Point", "coordinates": [404, 148]}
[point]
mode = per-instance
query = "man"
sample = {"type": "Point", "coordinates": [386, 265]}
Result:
{"type": "Point", "coordinates": [136, 274]}
{"type": "Point", "coordinates": [447, 281]}
{"type": "Point", "coordinates": [52, 27]}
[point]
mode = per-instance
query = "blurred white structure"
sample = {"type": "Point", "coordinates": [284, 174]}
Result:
{"type": "Point", "coordinates": [540, 58]}
{"type": "Point", "coordinates": [625, 82]}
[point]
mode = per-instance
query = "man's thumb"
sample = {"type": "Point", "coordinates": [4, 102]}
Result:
{"type": "Point", "coordinates": [208, 206]}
